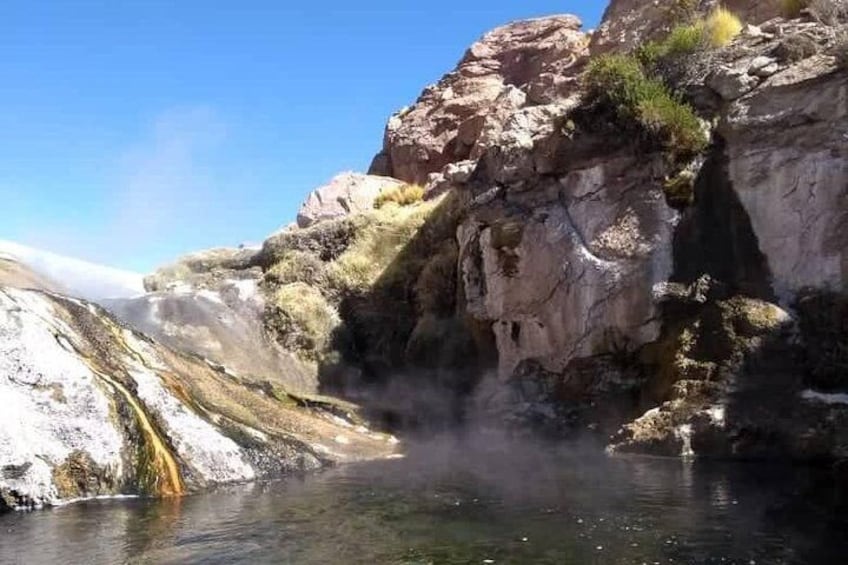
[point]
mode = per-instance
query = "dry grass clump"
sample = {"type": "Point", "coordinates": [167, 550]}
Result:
{"type": "Point", "coordinates": [721, 26]}
{"type": "Point", "coordinates": [796, 48]}
{"type": "Point", "coordinates": [376, 245]}
{"type": "Point", "coordinates": [403, 195]}
{"type": "Point", "coordinates": [297, 266]}
{"type": "Point", "coordinates": [302, 318]}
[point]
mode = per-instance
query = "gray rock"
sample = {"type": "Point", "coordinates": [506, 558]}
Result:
{"type": "Point", "coordinates": [731, 82]}
{"type": "Point", "coordinates": [347, 193]}
{"type": "Point", "coordinates": [763, 66]}
{"type": "Point", "coordinates": [579, 265]}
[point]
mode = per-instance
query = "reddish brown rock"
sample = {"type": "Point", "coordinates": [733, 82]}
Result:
{"type": "Point", "coordinates": [519, 64]}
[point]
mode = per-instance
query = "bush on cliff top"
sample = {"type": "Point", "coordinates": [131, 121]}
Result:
{"type": "Point", "coordinates": [717, 30]}
{"type": "Point", "coordinates": [619, 83]}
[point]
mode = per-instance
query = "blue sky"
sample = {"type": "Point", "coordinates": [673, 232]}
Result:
{"type": "Point", "coordinates": [134, 132]}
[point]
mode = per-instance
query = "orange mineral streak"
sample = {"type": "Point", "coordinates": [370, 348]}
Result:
{"type": "Point", "coordinates": [170, 481]}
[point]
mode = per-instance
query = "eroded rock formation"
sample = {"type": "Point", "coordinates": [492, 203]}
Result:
{"type": "Point", "coordinates": [92, 408]}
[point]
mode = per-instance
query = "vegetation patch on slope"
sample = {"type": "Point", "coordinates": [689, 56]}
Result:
{"type": "Point", "coordinates": [644, 105]}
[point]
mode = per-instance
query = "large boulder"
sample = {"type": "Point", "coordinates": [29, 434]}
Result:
{"type": "Point", "coordinates": [566, 267]}
{"type": "Point", "coordinates": [525, 62]}
{"type": "Point", "coordinates": [348, 193]}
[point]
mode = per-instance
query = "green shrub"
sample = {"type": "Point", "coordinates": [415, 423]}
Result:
{"type": "Point", "coordinates": [680, 189]}
{"type": "Point", "coordinates": [620, 83]}
{"type": "Point", "coordinates": [673, 123]}
{"type": "Point", "coordinates": [681, 42]}
{"type": "Point", "coordinates": [403, 195]}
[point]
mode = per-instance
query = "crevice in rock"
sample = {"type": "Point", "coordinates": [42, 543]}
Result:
{"type": "Point", "coordinates": [715, 236]}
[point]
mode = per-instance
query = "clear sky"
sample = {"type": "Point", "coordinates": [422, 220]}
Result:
{"type": "Point", "coordinates": [134, 132]}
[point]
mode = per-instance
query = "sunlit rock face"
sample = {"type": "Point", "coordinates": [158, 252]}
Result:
{"type": "Point", "coordinates": [511, 67]}
{"type": "Point", "coordinates": [92, 408]}
{"type": "Point", "coordinates": [346, 194]}
{"type": "Point", "coordinates": [714, 327]}
{"type": "Point", "coordinates": [789, 166]}
{"type": "Point", "coordinates": [566, 266]}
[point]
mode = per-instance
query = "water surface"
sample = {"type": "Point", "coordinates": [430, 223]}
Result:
{"type": "Point", "coordinates": [445, 503]}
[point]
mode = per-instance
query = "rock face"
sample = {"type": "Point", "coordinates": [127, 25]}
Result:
{"type": "Point", "coordinates": [699, 327]}
{"type": "Point", "coordinates": [348, 193]}
{"type": "Point", "coordinates": [511, 66]}
{"type": "Point", "coordinates": [628, 23]}
{"type": "Point", "coordinates": [789, 164]}
{"type": "Point", "coordinates": [92, 408]}
{"type": "Point", "coordinates": [563, 266]}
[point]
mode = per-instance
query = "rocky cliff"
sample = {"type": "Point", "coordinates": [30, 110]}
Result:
{"type": "Point", "coordinates": [688, 300]}
{"type": "Point", "coordinates": [637, 234]}
{"type": "Point", "coordinates": [575, 269]}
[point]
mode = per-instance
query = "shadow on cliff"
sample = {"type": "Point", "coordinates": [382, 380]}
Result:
{"type": "Point", "coordinates": [715, 236]}
{"type": "Point", "coordinates": [410, 355]}
{"type": "Point", "coordinates": [741, 351]}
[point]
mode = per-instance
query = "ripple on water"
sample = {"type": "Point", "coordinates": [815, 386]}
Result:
{"type": "Point", "coordinates": [446, 505]}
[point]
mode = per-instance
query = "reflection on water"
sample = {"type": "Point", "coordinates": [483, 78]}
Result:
{"type": "Point", "coordinates": [447, 504]}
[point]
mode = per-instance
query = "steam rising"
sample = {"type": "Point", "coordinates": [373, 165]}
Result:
{"type": "Point", "coordinates": [79, 278]}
